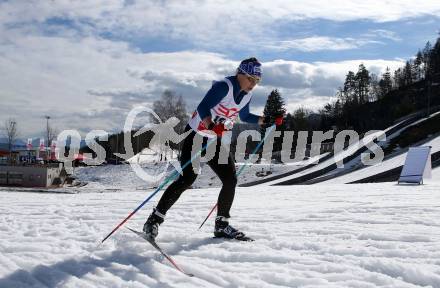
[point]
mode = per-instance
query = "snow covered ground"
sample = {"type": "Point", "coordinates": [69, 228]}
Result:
{"type": "Point", "coordinates": [111, 177]}
{"type": "Point", "coordinates": [369, 235]}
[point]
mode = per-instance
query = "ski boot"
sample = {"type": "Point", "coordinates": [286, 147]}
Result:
{"type": "Point", "coordinates": [151, 227]}
{"type": "Point", "coordinates": [224, 230]}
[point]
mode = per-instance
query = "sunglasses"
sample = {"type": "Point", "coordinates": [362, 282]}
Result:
{"type": "Point", "coordinates": [253, 80]}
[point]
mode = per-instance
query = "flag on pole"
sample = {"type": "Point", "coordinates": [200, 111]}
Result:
{"type": "Point", "coordinates": [42, 147]}
{"type": "Point", "coordinates": [53, 147]}
{"type": "Point", "coordinates": [29, 144]}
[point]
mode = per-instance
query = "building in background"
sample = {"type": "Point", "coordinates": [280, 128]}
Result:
{"type": "Point", "coordinates": [31, 164]}
{"type": "Point", "coordinates": [32, 175]}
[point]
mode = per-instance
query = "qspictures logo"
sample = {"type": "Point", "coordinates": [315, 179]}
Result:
{"type": "Point", "coordinates": [345, 143]}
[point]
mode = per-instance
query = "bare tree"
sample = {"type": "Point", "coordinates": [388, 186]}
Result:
{"type": "Point", "coordinates": [51, 134]}
{"type": "Point", "coordinates": [171, 105]}
{"type": "Point", "coordinates": [11, 133]}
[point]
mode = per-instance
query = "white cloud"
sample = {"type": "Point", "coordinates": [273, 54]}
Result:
{"type": "Point", "coordinates": [325, 43]}
{"type": "Point", "coordinates": [319, 43]}
{"type": "Point", "coordinates": [87, 82]}
{"type": "Point", "coordinates": [311, 85]}
{"type": "Point", "coordinates": [159, 13]}
{"type": "Point", "coordinates": [91, 83]}
{"type": "Point", "coordinates": [382, 33]}
{"type": "Point", "coordinates": [293, 74]}
{"type": "Point", "coordinates": [208, 23]}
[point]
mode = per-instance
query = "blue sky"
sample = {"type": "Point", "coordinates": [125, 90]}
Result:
{"type": "Point", "coordinates": [88, 63]}
{"type": "Point", "coordinates": [385, 40]}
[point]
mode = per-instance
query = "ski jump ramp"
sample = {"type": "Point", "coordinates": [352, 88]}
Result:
{"type": "Point", "coordinates": [315, 173]}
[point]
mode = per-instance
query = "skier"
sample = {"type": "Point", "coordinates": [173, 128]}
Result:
{"type": "Point", "coordinates": [226, 100]}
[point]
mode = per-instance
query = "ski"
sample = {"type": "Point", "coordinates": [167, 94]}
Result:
{"type": "Point", "coordinates": [164, 254]}
{"type": "Point", "coordinates": [244, 238]}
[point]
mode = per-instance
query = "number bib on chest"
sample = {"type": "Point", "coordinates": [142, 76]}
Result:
{"type": "Point", "coordinates": [226, 110]}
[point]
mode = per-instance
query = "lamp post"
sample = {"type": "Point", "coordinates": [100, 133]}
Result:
{"type": "Point", "coordinates": [12, 140]}
{"type": "Point", "coordinates": [48, 137]}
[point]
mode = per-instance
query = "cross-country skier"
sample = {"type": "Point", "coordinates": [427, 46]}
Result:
{"type": "Point", "coordinates": [226, 100]}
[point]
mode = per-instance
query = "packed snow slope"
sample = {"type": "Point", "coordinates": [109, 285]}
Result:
{"type": "Point", "coordinates": [371, 235]}
{"type": "Point", "coordinates": [351, 157]}
{"type": "Point", "coordinates": [386, 165]}
{"type": "Point", "coordinates": [355, 170]}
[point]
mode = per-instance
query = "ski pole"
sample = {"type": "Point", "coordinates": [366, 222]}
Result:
{"type": "Point", "coordinates": [242, 167]}
{"type": "Point", "coordinates": [165, 182]}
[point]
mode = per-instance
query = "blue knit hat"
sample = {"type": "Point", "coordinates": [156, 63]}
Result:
{"type": "Point", "coordinates": [250, 67]}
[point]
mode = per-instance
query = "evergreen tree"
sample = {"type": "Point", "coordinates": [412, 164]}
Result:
{"type": "Point", "coordinates": [349, 91]}
{"type": "Point", "coordinates": [336, 108]}
{"type": "Point", "coordinates": [426, 58]}
{"type": "Point", "coordinates": [274, 106]}
{"type": "Point", "coordinates": [363, 83]}
{"type": "Point", "coordinates": [399, 80]}
{"type": "Point", "coordinates": [338, 111]}
{"type": "Point", "coordinates": [435, 61]}
{"type": "Point", "coordinates": [300, 116]}
{"type": "Point", "coordinates": [385, 84]}
{"type": "Point", "coordinates": [327, 110]}
{"type": "Point", "coordinates": [288, 122]}
{"type": "Point", "coordinates": [273, 109]}
{"type": "Point", "coordinates": [360, 88]}
{"type": "Point", "coordinates": [418, 66]}
{"type": "Point", "coordinates": [374, 90]}
{"type": "Point", "coordinates": [407, 74]}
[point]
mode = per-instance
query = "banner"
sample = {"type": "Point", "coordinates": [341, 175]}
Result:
{"type": "Point", "coordinates": [29, 144]}
{"type": "Point", "coordinates": [42, 147]}
{"type": "Point", "coordinates": [53, 147]}
{"type": "Point", "coordinates": [417, 165]}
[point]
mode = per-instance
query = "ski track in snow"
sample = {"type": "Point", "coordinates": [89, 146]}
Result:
{"type": "Point", "coordinates": [116, 177]}
{"type": "Point", "coordinates": [371, 235]}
